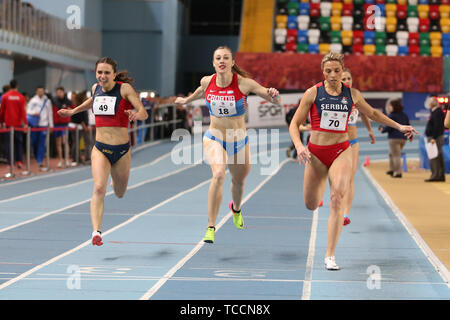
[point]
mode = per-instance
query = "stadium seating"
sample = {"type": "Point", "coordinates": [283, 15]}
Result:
{"type": "Point", "coordinates": [370, 27]}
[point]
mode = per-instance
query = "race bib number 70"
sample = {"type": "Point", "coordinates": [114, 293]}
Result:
{"type": "Point", "coordinates": [333, 120]}
{"type": "Point", "coordinates": [104, 106]}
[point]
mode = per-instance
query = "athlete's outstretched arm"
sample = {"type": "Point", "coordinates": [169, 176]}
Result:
{"type": "Point", "coordinates": [270, 94]}
{"type": "Point", "coordinates": [198, 93]}
{"type": "Point", "coordinates": [130, 94]}
{"type": "Point", "coordinates": [82, 107]}
{"type": "Point", "coordinates": [298, 120]}
{"type": "Point", "coordinates": [378, 116]}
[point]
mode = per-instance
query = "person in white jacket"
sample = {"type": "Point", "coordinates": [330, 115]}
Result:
{"type": "Point", "coordinates": [40, 105]}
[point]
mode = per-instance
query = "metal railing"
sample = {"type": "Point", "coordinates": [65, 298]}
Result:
{"type": "Point", "coordinates": [22, 24]}
{"type": "Point", "coordinates": [165, 128]}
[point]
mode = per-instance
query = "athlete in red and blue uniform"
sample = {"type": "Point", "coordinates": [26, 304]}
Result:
{"type": "Point", "coordinates": [226, 142]}
{"type": "Point", "coordinates": [115, 104]}
{"type": "Point", "coordinates": [328, 156]}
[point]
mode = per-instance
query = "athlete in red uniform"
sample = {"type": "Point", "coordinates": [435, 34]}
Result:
{"type": "Point", "coordinates": [112, 102]}
{"type": "Point", "coordinates": [226, 141]}
{"type": "Point", "coordinates": [328, 155]}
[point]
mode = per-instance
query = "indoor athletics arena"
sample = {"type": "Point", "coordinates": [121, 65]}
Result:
{"type": "Point", "coordinates": [107, 183]}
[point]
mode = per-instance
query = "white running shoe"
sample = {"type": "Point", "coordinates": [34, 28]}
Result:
{"type": "Point", "coordinates": [330, 263]}
{"type": "Point", "coordinates": [97, 238]}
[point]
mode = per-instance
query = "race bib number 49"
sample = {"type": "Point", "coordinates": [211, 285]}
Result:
{"type": "Point", "coordinates": [104, 106]}
{"type": "Point", "coordinates": [334, 120]}
{"type": "Point", "coordinates": [223, 108]}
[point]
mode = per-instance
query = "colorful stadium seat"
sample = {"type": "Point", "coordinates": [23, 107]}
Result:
{"type": "Point", "coordinates": [414, 50]}
{"type": "Point", "coordinates": [347, 23]}
{"type": "Point", "coordinates": [403, 50]}
{"type": "Point", "coordinates": [424, 25]}
{"type": "Point", "coordinates": [445, 25]}
{"type": "Point", "coordinates": [324, 48]}
{"type": "Point", "coordinates": [412, 11]}
{"type": "Point", "coordinates": [336, 47]}
{"type": "Point", "coordinates": [380, 38]}
{"type": "Point", "coordinates": [436, 51]}
{"type": "Point", "coordinates": [444, 11]}
{"type": "Point", "coordinates": [413, 24]}
{"type": "Point", "coordinates": [335, 23]}
{"type": "Point", "coordinates": [302, 48]}
{"type": "Point", "coordinates": [435, 38]}
{"type": "Point", "coordinates": [413, 38]}
{"type": "Point", "coordinates": [313, 48]}
{"type": "Point", "coordinates": [423, 10]}
{"type": "Point", "coordinates": [369, 37]}
{"type": "Point", "coordinates": [369, 49]}
{"type": "Point", "coordinates": [380, 49]}
{"type": "Point", "coordinates": [391, 49]}
{"type": "Point", "coordinates": [303, 22]}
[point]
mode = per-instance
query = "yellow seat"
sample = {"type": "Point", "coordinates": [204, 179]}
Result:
{"type": "Point", "coordinates": [369, 49]}
{"type": "Point", "coordinates": [348, 1]}
{"type": "Point", "coordinates": [435, 38]}
{"type": "Point", "coordinates": [402, 2]}
{"type": "Point", "coordinates": [391, 24]}
{"type": "Point", "coordinates": [324, 48]}
{"type": "Point", "coordinates": [423, 10]}
{"type": "Point", "coordinates": [436, 51]}
{"type": "Point", "coordinates": [347, 37]}
{"type": "Point", "coordinates": [335, 22]}
{"type": "Point", "coordinates": [391, 10]}
{"type": "Point", "coordinates": [444, 11]}
{"type": "Point", "coordinates": [336, 8]}
{"type": "Point", "coordinates": [281, 21]}
{"type": "Point", "coordinates": [445, 25]}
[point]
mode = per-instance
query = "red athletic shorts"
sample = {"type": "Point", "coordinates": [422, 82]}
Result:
{"type": "Point", "coordinates": [327, 154]}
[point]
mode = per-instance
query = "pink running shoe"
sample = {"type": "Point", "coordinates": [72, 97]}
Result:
{"type": "Point", "coordinates": [97, 238]}
{"type": "Point", "coordinates": [346, 220]}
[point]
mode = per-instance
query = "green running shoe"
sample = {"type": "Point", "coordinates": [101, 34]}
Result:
{"type": "Point", "coordinates": [237, 217]}
{"type": "Point", "coordinates": [209, 235]}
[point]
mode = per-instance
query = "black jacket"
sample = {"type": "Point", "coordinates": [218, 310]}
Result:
{"type": "Point", "coordinates": [435, 124]}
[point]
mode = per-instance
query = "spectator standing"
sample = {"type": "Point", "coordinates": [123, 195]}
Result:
{"type": "Point", "coordinates": [434, 131]}
{"type": "Point", "coordinates": [397, 139]}
{"type": "Point", "coordinates": [13, 114]}
{"type": "Point", "coordinates": [2, 134]}
{"type": "Point", "coordinates": [40, 105]}
{"type": "Point", "coordinates": [60, 102]}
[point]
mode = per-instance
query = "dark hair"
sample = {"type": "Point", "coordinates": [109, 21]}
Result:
{"type": "Point", "coordinates": [40, 87]}
{"type": "Point", "coordinates": [397, 105]}
{"type": "Point", "coordinates": [121, 76]}
{"type": "Point", "coordinates": [80, 97]}
{"type": "Point", "coordinates": [6, 88]}
{"type": "Point", "coordinates": [13, 84]}
{"type": "Point", "coordinates": [60, 88]}
{"type": "Point", "coordinates": [235, 68]}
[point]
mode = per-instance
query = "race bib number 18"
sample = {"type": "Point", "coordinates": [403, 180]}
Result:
{"type": "Point", "coordinates": [333, 120]}
{"type": "Point", "coordinates": [104, 106]}
{"type": "Point", "coordinates": [223, 108]}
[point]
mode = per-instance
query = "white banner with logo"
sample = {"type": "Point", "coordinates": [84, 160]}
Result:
{"type": "Point", "coordinates": [262, 113]}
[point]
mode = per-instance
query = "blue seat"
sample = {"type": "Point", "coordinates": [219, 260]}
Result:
{"type": "Point", "coordinates": [369, 37]}
{"type": "Point", "coordinates": [292, 22]}
{"type": "Point", "coordinates": [446, 51]}
{"type": "Point", "coordinates": [445, 39]}
{"type": "Point", "coordinates": [382, 8]}
{"type": "Point", "coordinates": [423, 1]}
{"type": "Point", "coordinates": [313, 48]}
{"type": "Point", "coordinates": [369, 1]}
{"type": "Point", "coordinates": [304, 8]}
{"type": "Point", "coordinates": [403, 51]}
{"type": "Point", "coordinates": [302, 36]}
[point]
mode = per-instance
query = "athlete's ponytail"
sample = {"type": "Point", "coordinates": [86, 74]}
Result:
{"type": "Point", "coordinates": [121, 76]}
{"type": "Point", "coordinates": [235, 68]}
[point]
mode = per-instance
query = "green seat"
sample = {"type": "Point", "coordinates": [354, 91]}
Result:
{"type": "Point", "coordinates": [358, 2]}
{"type": "Point", "coordinates": [425, 51]}
{"type": "Point", "coordinates": [335, 36]}
{"type": "Point", "coordinates": [424, 39]}
{"type": "Point", "coordinates": [412, 11]}
{"type": "Point", "coordinates": [391, 1]}
{"type": "Point", "coordinates": [302, 48]}
{"type": "Point", "coordinates": [380, 49]}
{"type": "Point", "coordinates": [325, 24]}
{"type": "Point", "coordinates": [380, 38]}
{"type": "Point", "coordinates": [283, 1]}
{"type": "Point", "coordinates": [293, 8]}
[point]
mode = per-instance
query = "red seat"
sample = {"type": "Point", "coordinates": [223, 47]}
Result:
{"type": "Point", "coordinates": [347, 9]}
{"type": "Point", "coordinates": [414, 50]}
{"type": "Point", "coordinates": [358, 37]}
{"type": "Point", "coordinates": [434, 12]}
{"type": "Point", "coordinates": [291, 47]}
{"type": "Point", "coordinates": [369, 23]}
{"type": "Point", "coordinates": [413, 38]}
{"type": "Point", "coordinates": [380, 2]}
{"type": "Point", "coordinates": [402, 11]}
{"type": "Point", "coordinates": [424, 25]}
{"type": "Point", "coordinates": [314, 9]}
{"type": "Point", "coordinates": [292, 32]}
{"type": "Point", "coordinates": [358, 48]}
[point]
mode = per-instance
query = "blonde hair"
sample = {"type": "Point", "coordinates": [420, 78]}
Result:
{"type": "Point", "coordinates": [333, 56]}
{"type": "Point", "coordinates": [235, 68]}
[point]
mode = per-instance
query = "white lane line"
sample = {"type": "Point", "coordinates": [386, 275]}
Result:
{"type": "Point", "coordinates": [434, 260]}
{"type": "Point", "coordinates": [87, 200]}
{"type": "Point", "coordinates": [30, 194]}
{"type": "Point", "coordinates": [55, 174]}
{"type": "Point", "coordinates": [86, 243]}
{"type": "Point", "coordinates": [199, 245]}
{"type": "Point", "coordinates": [310, 260]}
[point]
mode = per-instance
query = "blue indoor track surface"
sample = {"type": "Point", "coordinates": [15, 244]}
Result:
{"type": "Point", "coordinates": [153, 246]}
